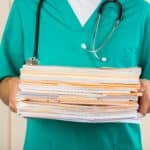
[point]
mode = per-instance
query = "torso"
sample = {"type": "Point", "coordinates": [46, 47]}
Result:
{"type": "Point", "coordinates": [61, 36]}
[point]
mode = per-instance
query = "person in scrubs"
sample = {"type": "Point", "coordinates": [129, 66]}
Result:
{"type": "Point", "coordinates": [64, 27]}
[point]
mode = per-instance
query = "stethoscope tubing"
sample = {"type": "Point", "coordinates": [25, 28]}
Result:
{"type": "Point", "coordinates": [119, 5]}
{"type": "Point", "coordinates": [34, 58]}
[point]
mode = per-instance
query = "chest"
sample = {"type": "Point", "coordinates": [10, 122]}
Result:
{"type": "Point", "coordinates": [61, 37]}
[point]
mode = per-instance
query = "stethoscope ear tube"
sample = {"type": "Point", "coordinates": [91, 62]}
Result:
{"type": "Point", "coordinates": [120, 10]}
{"type": "Point", "coordinates": [119, 5]}
{"type": "Point", "coordinates": [34, 59]}
{"type": "Point", "coordinates": [37, 29]}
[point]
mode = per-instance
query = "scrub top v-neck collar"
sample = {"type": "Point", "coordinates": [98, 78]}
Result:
{"type": "Point", "coordinates": [84, 9]}
{"type": "Point", "coordinates": [83, 19]}
{"type": "Point", "coordinates": [72, 21]}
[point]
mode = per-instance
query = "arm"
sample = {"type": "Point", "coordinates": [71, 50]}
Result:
{"type": "Point", "coordinates": [145, 76]}
{"type": "Point", "coordinates": [11, 49]}
{"type": "Point", "coordinates": [8, 90]}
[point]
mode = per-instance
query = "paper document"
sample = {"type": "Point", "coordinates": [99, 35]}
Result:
{"type": "Point", "coordinates": [79, 94]}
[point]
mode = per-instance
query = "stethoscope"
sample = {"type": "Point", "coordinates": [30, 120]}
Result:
{"type": "Point", "coordinates": [34, 60]}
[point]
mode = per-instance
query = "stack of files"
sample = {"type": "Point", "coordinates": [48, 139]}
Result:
{"type": "Point", "coordinates": [79, 94]}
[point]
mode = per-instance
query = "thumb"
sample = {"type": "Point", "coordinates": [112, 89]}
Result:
{"type": "Point", "coordinates": [142, 86]}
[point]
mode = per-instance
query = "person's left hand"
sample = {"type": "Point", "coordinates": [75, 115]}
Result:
{"type": "Point", "coordinates": [144, 101]}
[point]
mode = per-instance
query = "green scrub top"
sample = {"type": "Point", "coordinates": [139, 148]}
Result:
{"type": "Point", "coordinates": [61, 36]}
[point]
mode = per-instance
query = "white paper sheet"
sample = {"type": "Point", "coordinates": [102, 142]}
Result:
{"type": "Point", "coordinates": [103, 99]}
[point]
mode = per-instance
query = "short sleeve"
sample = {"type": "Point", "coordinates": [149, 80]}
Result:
{"type": "Point", "coordinates": [145, 54]}
{"type": "Point", "coordinates": [11, 47]}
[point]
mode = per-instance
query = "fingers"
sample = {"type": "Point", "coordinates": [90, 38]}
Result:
{"type": "Point", "coordinates": [144, 101]}
{"type": "Point", "coordinates": [142, 86]}
{"type": "Point", "coordinates": [143, 105]}
{"type": "Point", "coordinates": [12, 101]}
{"type": "Point", "coordinates": [13, 88]}
{"type": "Point", "coordinates": [12, 107]}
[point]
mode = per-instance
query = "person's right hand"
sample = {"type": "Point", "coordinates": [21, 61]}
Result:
{"type": "Point", "coordinates": [9, 89]}
{"type": "Point", "coordinates": [13, 89]}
